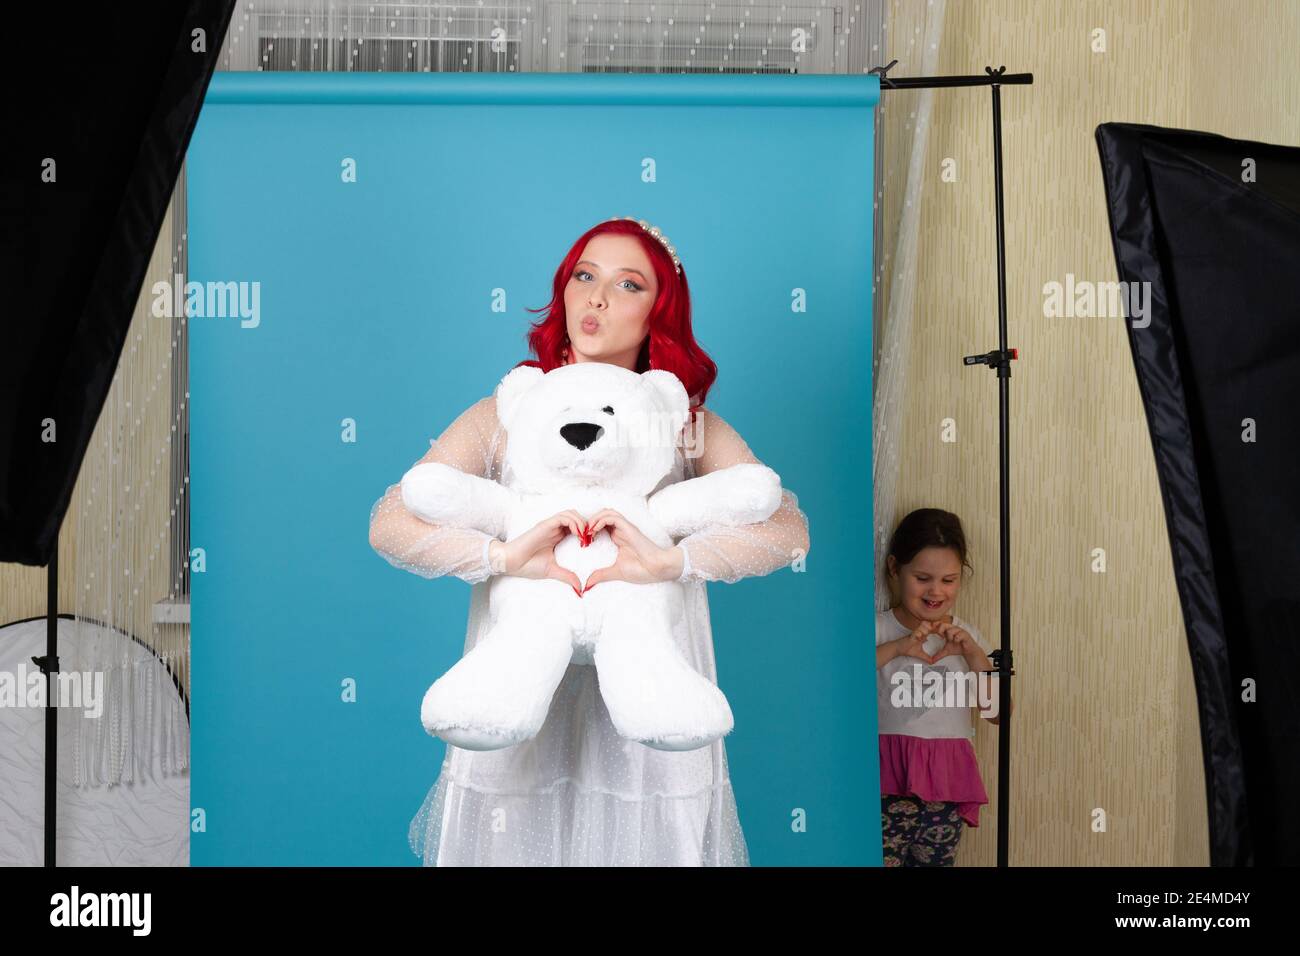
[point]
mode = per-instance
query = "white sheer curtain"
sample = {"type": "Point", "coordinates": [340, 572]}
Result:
{"type": "Point", "coordinates": [914, 32]}
{"type": "Point", "coordinates": [127, 544]}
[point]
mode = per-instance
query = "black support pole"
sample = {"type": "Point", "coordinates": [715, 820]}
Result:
{"type": "Point", "coordinates": [1004, 499]}
{"type": "Point", "coordinates": [49, 665]}
{"type": "Point", "coordinates": [948, 82]}
{"type": "Point", "coordinates": [1000, 361]}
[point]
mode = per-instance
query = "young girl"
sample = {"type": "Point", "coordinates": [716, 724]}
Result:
{"type": "Point", "coordinates": [929, 779]}
{"type": "Point", "coordinates": [578, 794]}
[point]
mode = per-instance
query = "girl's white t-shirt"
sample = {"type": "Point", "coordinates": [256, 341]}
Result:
{"type": "Point", "coordinates": [908, 701]}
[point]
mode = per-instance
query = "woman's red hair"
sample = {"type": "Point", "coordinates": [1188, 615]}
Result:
{"type": "Point", "coordinates": [670, 344]}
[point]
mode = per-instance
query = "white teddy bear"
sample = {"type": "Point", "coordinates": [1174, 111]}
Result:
{"type": "Point", "coordinates": [585, 436]}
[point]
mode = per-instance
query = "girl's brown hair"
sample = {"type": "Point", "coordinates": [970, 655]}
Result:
{"type": "Point", "coordinates": [926, 528]}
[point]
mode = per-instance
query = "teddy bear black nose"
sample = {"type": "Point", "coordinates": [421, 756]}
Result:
{"type": "Point", "coordinates": [581, 434]}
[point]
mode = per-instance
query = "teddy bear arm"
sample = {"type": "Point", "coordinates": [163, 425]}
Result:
{"type": "Point", "coordinates": [441, 494]}
{"type": "Point", "coordinates": [738, 495]}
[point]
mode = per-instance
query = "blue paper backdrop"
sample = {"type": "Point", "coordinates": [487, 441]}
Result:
{"type": "Point", "coordinates": [374, 306]}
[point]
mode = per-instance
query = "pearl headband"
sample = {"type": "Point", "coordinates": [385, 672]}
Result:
{"type": "Point", "coordinates": [654, 231]}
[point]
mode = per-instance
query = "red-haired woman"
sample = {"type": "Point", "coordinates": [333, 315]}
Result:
{"type": "Point", "coordinates": [578, 793]}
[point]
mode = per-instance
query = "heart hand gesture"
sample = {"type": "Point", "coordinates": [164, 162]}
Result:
{"type": "Point", "coordinates": [913, 645]}
{"type": "Point", "coordinates": [956, 641]}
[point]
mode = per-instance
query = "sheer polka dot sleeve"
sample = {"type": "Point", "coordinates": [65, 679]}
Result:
{"type": "Point", "coordinates": [729, 553]}
{"type": "Point", "coordinates": [472, 444]}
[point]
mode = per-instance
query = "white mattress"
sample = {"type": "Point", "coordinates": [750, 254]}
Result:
{"type": "Point", "coordinates": [145, 823]}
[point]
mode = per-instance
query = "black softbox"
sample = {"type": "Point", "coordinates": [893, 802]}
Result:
{"type": "Point", "coordinates": [1213, 224]}
{"type": "Point", "coordinates": [93, 141]}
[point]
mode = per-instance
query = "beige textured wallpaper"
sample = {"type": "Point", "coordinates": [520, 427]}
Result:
{"type": "Point", "coordinates": [1105, 706]}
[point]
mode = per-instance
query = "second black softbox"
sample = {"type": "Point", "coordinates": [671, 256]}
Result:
{"type": "Point", "coordinates": [1213, 224]}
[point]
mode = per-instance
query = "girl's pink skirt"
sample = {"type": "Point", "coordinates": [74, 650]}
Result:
{"type": "Point", "coordinates": [933, 768]}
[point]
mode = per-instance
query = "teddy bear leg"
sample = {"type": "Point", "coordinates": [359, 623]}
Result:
{"type": "Point", "coordinates": [652, 693]}
{"type": "Point", "coordinates": [499, 693]}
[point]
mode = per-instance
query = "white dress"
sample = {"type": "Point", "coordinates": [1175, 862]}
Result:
{"type": "Point", "coordinates": [578, 794]}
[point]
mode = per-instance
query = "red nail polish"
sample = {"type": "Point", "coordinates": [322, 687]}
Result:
{"type": "Point", "coordinates": [576, 591]}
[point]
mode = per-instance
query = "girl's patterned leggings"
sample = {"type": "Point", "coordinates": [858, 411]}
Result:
{"type": "Point", "coordinates": [918, 832]}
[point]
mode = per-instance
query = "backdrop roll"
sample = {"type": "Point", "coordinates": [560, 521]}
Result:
{"type": "Point", "coordinates": [384, 235]}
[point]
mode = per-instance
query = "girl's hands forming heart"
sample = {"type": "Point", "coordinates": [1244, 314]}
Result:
{"type": "Point", "coordinates": [913, 645]}
{"type": "Point", "coordinates": [957, 641]}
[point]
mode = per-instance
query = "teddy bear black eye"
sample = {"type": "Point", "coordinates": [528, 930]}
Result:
{"type": "Point", "coordinates": [608, 410]}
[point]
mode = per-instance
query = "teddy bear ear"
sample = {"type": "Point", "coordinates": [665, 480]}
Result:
{"type": "Point", "coordinates": [671, 392]}
{"type": "Point", "coordinates": [512, 388]}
